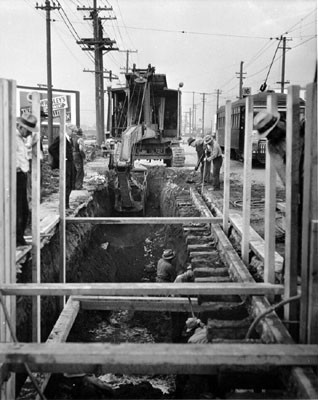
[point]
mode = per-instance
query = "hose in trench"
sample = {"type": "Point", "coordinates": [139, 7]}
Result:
{"type": "Point", "coordinates": [272, 308]}
{"type": "Point", "coordinates": [15, 340]}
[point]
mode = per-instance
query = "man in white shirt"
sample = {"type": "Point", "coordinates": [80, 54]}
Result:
{"type": "Point", "coordinates": [26, 124]}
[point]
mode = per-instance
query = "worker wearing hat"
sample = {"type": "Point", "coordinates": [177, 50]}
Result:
{"type": "Point", "coordinates": [166, 270]}
{"type": "Point", "coordinates": [78, 157]}
{"type": "Point", "coordinates": [214, 155]}
{"type": "Point", "coordinates": [198, 144]}
{"type": "Point", "coordinates": [26, 126]}
{"type": "Point", "coordinates": [272, 127]}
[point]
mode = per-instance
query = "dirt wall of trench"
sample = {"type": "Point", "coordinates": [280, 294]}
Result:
{"type": "Point", "coordinates": [82, 250]}
{"type": "Point", "coordinates": [78, 238]}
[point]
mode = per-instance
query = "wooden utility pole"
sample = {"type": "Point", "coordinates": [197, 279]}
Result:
{"type": "Point", "coordinates": [218, 92]}
{"type": "Point", "coordinates": [193, 115]}
{"type": "Point", "coordinates": [241, 77]}
{"type": "Point", "coordinates": [127, 58]}
{"type": "Point", "coordinates": [48, 8]}
{"type": "Point", "coordinates": [284, 48]}
{"type": "Point", "coordinates": [98, 44]}
{"type": "Point", "coordinates": [203, 109]}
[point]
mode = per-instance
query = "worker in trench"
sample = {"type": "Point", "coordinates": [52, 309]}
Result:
{"type": "Point", "coordinates": [166, 272]}
{"type": "Point", "coordinates": [207, 385]}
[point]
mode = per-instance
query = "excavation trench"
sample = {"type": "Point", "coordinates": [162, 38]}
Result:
{"type": "Point", "coordinates": [129, 253]}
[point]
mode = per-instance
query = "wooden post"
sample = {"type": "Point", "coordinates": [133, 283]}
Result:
{"type": "Point", "coordinates": [313, 286]}
{"type": "Point", "coordinates": [245, 245]}
{"type": "Point", "coordinates": [310, 209]}
{"type": "Point", "coordinates": [270, 205]}
{"type": "Point", "coordinates": [8, 212]}
{"type": "Point", "coordinates": [36, 247]}
{"type": "Point", "coordinates": [62, 200]}
{"type": "Point", "coordinates": [292, 243]}
{"type": "Point", "coordinates": [227, 156]}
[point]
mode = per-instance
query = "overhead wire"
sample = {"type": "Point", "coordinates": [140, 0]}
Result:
{"type": "Point", "coordinates": [72, 30]}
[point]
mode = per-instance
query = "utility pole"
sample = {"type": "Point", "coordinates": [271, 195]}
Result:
{"type": "Point", "coordinates": [193, 115]}
{"type": "Point", "coordinates": [284, 48]}
{"type": "Point", "coordinates": [48, 8]}
{"type": "Point", "coordinates": [127, 57]}
{"type": "Point", "coordinates": [218, 92]}
{"type": "Point", "coordinates": [241, 77]}
{"type": "Point", "coordinates": [97, 44]}
{"type": "Point", "coordinates": [203, 109]}
{"type": "Point", "coordinates": [203, 106]}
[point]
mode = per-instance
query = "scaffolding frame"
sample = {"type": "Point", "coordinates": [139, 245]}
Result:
{"type": "Point", "coordinates": [280, 354]}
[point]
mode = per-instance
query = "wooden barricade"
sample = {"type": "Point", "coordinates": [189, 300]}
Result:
{"type": "Point", "coordinates": [7, 215]}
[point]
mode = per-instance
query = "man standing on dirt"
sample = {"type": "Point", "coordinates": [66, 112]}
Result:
{"type": "Point", "coordinates": [78, 157]}
{"type": "Point", "coordinates": [26, 125]}
{"type": "Point", "coordinates": [166, 270]}
{"type": "Point", "coordinates": [198, 144]}
{"type": "Point", "coordinates": [70, 172]}
{"type": "Point", "coordinates": [217, 160]}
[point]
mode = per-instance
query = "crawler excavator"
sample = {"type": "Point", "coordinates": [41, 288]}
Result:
{"type": "Point", "coordinates": [144, 120]}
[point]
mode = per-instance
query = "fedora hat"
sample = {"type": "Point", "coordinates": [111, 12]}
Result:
{"type": "Point", "coordinates": [190, 140]}
{"type": "Point", "coordinates": [168, 254]}
{"type": "Point", "coordinates": [265, 122]}
{"type": "Point", "coordinates": [208, 139]}
{"type": "Point", "coordinates": [71, 127]}
{"type": "Point", "coordinates": [28, 121]}
{"type": "Point", "coordinates": [192, 323]}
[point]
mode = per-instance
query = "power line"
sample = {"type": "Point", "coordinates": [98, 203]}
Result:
{"type": "Point", "coordinates": [197, 33]}
{"type": "Point", "coordinates": [300, 21]}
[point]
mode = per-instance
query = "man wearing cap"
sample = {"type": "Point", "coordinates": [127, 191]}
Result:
{"type": "Point", "coordinates": [70, 172]}
{"type": "Point", "coordinates": [198, 144]}
{"type": "Point", "coordinates": [78, 157]}
{"type": "Point", "coordinates": [26, 125]}
{"type": "Point", "coordinates": [217, 160]}
{"type": "Point", "coordinates": [166, 271]}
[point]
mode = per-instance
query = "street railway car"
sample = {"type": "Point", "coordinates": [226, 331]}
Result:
{"type": "Point", "coordinates": [238, 125]}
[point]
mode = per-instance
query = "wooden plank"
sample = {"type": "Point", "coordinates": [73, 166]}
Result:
{"type": "Point", "coordinates": [48, 223]}
{"type": "Point", "coordinates": [140, 289]}
{"type": "Point", "coordinates": [61, 331]}
{"type": "Point", "coordinates": [153, 358]}
{"type": "Point", "coordinates": [202, 207]}
{"type": "Point", "coordinates": [270, 205]}
{"type": "Point", "coordinates": [62, 187]}
{"type": "Point", "coordinates": [147, 220]}
{"type": "Point", "coordinates": [8, 211]}
{"type": "Point", "coordinates": [256, 242]}
{"type": "Point", "coordinates": [313, 286]}
{"type": "Point", "coordinates": [245, 244]}
{"type": "Point", "coordinates": [172, 304]}
{"type": "Point", "coordinates": [227, 159]}
{"type": "Point", "coordinates": [36, 245]}
{"type": "Point", "coordinates": [292, 245]}
{"type": "Point", "coordinates": [309, 202]}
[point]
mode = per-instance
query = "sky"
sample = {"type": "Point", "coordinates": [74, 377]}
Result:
{"type": "Point", "coordinates": [200, 43]}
